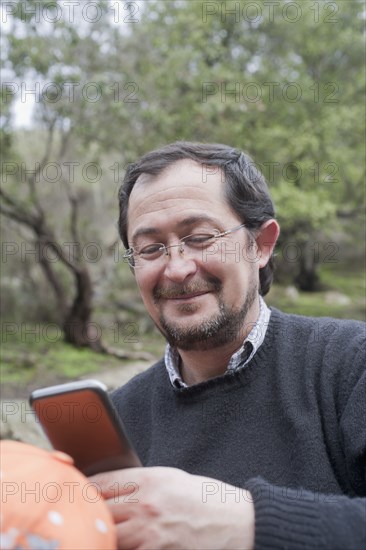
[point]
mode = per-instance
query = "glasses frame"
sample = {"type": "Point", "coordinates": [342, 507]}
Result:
{"type": "Point", "coordinates": [128, 255]}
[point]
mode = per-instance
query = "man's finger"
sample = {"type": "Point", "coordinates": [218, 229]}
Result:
{"type": "Point", "coordinates": [118, 482]}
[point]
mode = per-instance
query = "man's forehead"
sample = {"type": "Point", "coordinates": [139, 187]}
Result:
{"type": "Point", "coordinates": [185, 169]}
{"type": "Point", "coordinates": [184, 189]}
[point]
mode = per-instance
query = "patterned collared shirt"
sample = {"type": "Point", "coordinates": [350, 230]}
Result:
{"type": "Point", "coordinates": [238, 360]}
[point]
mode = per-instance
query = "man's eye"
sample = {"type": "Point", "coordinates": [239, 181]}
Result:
{"type": "Point", "coordinates": [151, 249]}
{"type": "Point", "coordinates": [199, 239]}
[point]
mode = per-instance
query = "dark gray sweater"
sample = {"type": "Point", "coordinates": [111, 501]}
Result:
{"type": "Point", "coordinates": [290, 427]}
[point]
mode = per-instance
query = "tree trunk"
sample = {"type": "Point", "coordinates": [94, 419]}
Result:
{"type": "Point", "coordinates": [77, 326]}
{"type": "Point", "coordinates": [308, 278]}
{"type": "Point", "coordinates": [55, 283]}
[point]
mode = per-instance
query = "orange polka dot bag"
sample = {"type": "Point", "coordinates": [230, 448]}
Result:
{"type": "Point", "coordinates": [47, 504]}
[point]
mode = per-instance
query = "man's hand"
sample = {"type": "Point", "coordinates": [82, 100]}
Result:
{"type": "Point", "coordinates": [156, 508]}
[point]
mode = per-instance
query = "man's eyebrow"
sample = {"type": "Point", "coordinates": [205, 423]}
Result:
{"type": "Point", "coordinates": [145, 231]}
{"type": "Point", "coordinates": [196, 219]}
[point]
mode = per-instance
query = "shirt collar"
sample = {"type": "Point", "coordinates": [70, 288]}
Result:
{"type": "Point", "coordinates": [239, 359]}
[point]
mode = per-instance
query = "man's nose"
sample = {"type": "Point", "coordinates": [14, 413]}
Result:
{"type": "Point", "coordinates": [179, 265]}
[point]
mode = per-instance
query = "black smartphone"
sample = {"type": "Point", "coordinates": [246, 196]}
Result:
{"type": "Point", "coordinates": [79, 419]}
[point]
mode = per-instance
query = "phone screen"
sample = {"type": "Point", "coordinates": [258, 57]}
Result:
{"type": "Point", "coordinates": [84, 424]}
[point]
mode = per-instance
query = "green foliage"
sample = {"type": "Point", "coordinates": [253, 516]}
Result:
{"type": "Point", "coordinates": [302, 213]}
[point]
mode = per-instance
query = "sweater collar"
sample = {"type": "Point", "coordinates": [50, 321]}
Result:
{"type": "Point", "coordinates": [237, 361]}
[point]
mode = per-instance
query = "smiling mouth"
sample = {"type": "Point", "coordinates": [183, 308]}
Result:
{"type": "Point", "coordinates": [188, 296]}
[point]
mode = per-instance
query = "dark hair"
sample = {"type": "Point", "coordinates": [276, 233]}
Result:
{"type": "Point", "coordinates": [246, 188]}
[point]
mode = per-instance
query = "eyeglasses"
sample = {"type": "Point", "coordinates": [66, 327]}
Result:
{"type": "Point", "coordinates": [140, 256]}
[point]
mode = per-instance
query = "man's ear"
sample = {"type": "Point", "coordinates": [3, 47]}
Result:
{"type": "Point", "coordinates": [266, 240]}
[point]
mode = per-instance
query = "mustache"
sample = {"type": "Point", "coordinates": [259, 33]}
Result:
{"type": "Point", "coordinates": [177, 291]}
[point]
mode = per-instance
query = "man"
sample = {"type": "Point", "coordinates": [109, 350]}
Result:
{"type": "Point", "coordinates": [255, 418]}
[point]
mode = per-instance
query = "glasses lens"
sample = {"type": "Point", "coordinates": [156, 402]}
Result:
{"type": "Point", "coordinates": [198, 241]}
{"type": "Point", "coordinates": [151, 251]}
{"type": "Point", "coordinates": [141, 256]}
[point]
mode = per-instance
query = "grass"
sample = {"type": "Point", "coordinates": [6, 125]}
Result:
{"type": "Point", "coordinates": [34, 352]}
{"type": "Point", "coordinates": [350, 284]}
{"type": "Point", "coordinates": [23, 358]}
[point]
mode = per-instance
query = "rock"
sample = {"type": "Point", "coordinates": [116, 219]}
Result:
{"type": "Point", "coordinates": [18, 422]}
{"type": "Point", "coordinates": [292, 293]}
{"type": "Point", "coordinates": [337, 298]}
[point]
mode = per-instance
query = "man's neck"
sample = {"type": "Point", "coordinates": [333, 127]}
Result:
{"type": "Point", "coordinates": [200, 365]}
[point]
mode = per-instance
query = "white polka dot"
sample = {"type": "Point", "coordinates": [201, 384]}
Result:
{"type": "Point", "coordinates": [101, 525]}
{"type": "Point", "coordinates": [55, 517]}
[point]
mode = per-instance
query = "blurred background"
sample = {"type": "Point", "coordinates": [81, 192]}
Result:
{"type": "Point", "coordinates": [89, 86]}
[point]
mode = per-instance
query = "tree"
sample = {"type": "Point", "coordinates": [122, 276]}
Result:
{"type": "Point", "coordinates": [75, 318]}
{"type": "Point", "coordinates": [66, 149]}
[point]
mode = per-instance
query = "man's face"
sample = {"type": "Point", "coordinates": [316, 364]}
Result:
{"type": "Point", "coordinates": [197, 300]}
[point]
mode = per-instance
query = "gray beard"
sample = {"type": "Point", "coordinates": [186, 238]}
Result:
{"type": "Point", "coordinates": [222, 329]}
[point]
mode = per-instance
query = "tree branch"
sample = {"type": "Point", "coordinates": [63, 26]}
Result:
{"type": "Point", "coordinates": [18, 214]}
